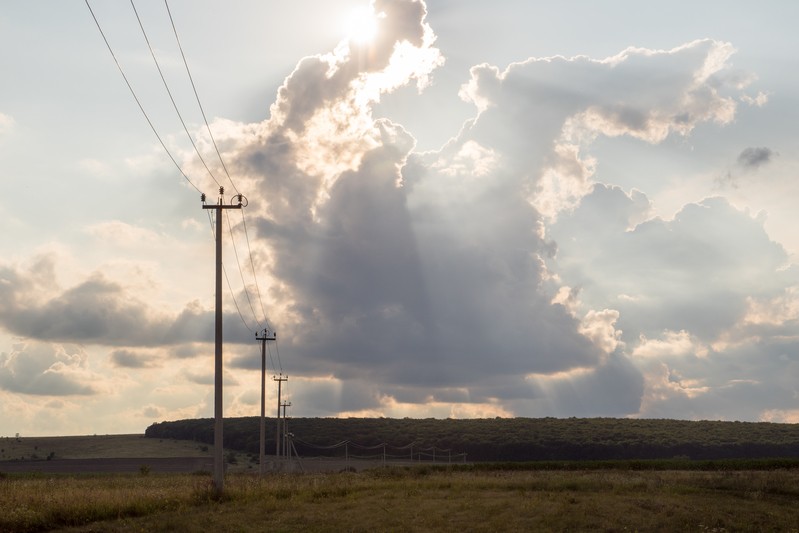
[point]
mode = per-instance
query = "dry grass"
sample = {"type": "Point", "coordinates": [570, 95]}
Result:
{"type": "Point", "coordinates": [412, 500]}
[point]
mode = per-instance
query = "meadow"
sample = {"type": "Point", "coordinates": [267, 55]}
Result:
{"type": "Point", "coordinates": [419, 498]}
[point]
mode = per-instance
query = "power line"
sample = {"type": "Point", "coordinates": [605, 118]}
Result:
{"type": "Point", "coordinates": [230, 287]}
{"type": "Point", "coordinates": [252, 264]}
{"type": "Point", "coordinates": [269, 350]}
{"type": "Point", "coordinates": [177, 165]}
{"type": "Point", "coordinates": [171, 98]}
{"type": "Point", "coordinates": [221, 160]}
{"type": "Point", "coordinates": [241, 272]}
{"type": "Point", "coordinates": [277, 352]}
{"type": "Point", "coordinates": [141, 108]}
{"type": "Point", "coordinates": [197, 96]}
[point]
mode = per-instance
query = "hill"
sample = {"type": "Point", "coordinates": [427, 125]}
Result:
{"type": "Point", "coordinates": [507, 439]}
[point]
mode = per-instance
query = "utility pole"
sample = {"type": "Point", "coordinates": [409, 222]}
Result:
{"type": "Point", "coordinates": [219, 456]}
{"type": "Point", "coordinates": [267, 336]}
{"type": "Point", "coordinates": [286, 450]}
{"type": "Point", "coordinates": [280, 381]}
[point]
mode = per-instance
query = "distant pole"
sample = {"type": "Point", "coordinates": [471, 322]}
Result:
{"type": "Point", "coordinates": [262, 456]}
{"type": "Point", "coordinates": [280, 381]}
{"type": "Point", "coordinates": [219, 456]}
{"type": "Point", "coordinates": [286, 451]}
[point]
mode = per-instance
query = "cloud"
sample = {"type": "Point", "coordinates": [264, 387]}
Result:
{"type": "Point", "coordinates": [749, 160]}
{"type": "Point", "coordinates": [753, 158]}
{"type": "Point", "coordinates": [693, 273]}
{"type": "Point", "coordinates": [204, 378]}
{"type": "Point", "coordinates": [44, 369]}
{"type": "Point", "coordinates": [759, 100]}
{"type": "Point", "coordinates": [753, 380]}
{"type": "Point", "coordinates": [541, 115]}
{"type": "Point", "coordinates": [7, 124]}
{"type": "Point", "coordinates": [123, 358]}
{"type": "Point", "coordinates": [153, 412]}
{"type": "Point", "coordinates": [122, 234]}
{"type": "Point", "coordinates": [706, 301]}
{"type": "Point", "coordinates": [417, 272]}
{"type": "Point", "coordinates": [98, 311]}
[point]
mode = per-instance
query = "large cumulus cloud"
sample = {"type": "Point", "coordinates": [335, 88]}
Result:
{"type": "Point", "coordinates": [428, 275]}
{"type": "Point", "coordinates": [706, 300]}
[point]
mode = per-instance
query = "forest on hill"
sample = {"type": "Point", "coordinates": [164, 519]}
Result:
{"type": "Point", "coordinates": [507, 439]}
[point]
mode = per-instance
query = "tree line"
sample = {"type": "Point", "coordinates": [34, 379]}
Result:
{"type": "Point", "coordinates": [512, 439]}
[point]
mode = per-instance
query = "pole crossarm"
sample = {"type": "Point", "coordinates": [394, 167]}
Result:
{"type": "Point", "coordinates": [240, 201]}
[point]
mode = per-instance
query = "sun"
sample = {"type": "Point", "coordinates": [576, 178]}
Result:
{"type": "Point", "coordinates": [361, 25]}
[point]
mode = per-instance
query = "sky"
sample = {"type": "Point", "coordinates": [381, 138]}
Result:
{"type": "Point", "coordinates": [453, 209]}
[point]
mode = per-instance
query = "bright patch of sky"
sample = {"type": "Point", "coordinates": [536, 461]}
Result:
{"type": "Point", "coordinates": [460, 209]}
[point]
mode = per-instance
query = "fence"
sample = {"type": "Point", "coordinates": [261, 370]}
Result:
{"type": "Point", "coordinates": [383, 452]}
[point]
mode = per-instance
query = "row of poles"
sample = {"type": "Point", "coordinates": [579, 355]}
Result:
{"type": "Point", "coordinates": [219, 464]}
{"type": "Point", "coordinates": [270, 336]}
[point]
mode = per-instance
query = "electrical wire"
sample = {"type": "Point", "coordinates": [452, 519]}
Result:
{"type": "Point", "coordinates": [277, 352]}
{"type": "Point", "coordinates": [177, 165]}
{"type": "Point", "coordinates": [252, 264]}
{"type": "Point", "coordinates": [197, 96]}
{"type": "Point", "coordinates": [221, 160]}
{"type": "Point", "coordinates": [138, 102]}
{"type": "Point", "coordinates": [171, 98]}
{"type": "Point", "coordinates": [244, 284]}
{"type": "Point", "coordinates": [224, 271]}
{"type": "Point", "coordinates": [269, 350]}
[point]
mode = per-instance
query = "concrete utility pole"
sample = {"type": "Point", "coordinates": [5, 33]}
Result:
{"type": "Point", "coordinates": [268, 336]}
{"type": "Point", "coordinates": [219, 456]}
{"type": "Point", "coordinates": [280, 379]}
{"type": "Point", "coordinates": [286, 450]}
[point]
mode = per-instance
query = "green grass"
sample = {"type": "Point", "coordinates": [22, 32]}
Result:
{"type": "Point", "coordinates": [408, 499]}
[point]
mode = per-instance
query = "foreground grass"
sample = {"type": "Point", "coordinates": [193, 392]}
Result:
{"type": "Point", "coordinates": [411, 500]}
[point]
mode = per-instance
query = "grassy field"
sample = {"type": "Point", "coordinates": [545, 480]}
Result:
{"type": "Point", "coordinates": [408, 499]}
{"type": "Point", "coordinates": [96, 447]}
